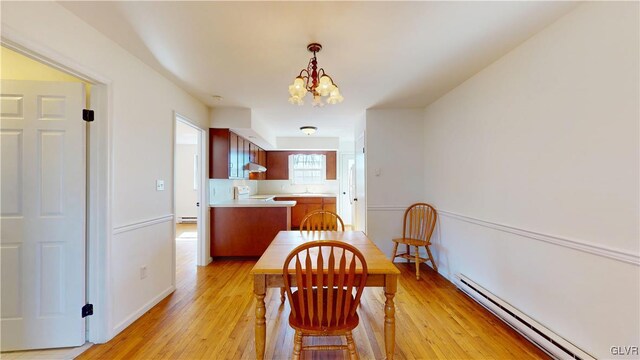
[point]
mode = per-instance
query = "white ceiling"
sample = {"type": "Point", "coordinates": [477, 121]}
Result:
{"type": "Point", "coordinates": [381, 54]}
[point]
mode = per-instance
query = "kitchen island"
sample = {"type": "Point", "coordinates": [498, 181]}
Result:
{"type": "Point", "coordinates": [246, 227]}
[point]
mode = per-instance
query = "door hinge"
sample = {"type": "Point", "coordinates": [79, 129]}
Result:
{"type": "Point", "coordinates": [363, 150]}
{"type": "Point", "coordinates": [87, 115]}
{"type": "Point", "coordinates": [87, 310]}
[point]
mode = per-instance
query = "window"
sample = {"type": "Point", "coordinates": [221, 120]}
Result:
{"type": "Point", "coordinates": [307, 169]}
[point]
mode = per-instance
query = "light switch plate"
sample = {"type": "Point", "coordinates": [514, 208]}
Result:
{"type": "Point", "coordinates": [160, 185]}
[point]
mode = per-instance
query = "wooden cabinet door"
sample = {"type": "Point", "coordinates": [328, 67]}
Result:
{"type": "Point", "coordinates": [262, 160]}
{"type": "Point", "coordinates": [277, 165]}
{"type": "Point", "coordinates": [233, 155]}
{"type": "Point", "coordinates": [331, 165]}
{"type": "Point", "coordinates": [329, 204]}
{"type": "Point", "coordinates": [219, 153]}
{"type": "Point", "coordinates": [247, 155]}
{"type": "Point", "coordinates": [253, 153]}
{"type": "Point", "coordinates": [241, 142]}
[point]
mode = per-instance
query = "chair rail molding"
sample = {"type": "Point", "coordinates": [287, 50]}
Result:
{"type": "Point", "coordinates": [142, 223]}
{"type": "Point", "coordinates": [575, 244]}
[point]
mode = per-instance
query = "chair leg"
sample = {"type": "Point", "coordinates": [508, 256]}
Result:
{"type": "Point", "coordinates": [435, 267]}
{"type": "Point", "coordinates": [395, 251]}
{"type": "Point", "coordinates": [282, 295]}
{"type": "Point", "coordinates": [351, 346]}
{"type": "Point", "coordinates": [408, 253]}
{"type": "Point", "coordinates": [417, 263]}
{"type": "Point", "coordinates": [297, 345]}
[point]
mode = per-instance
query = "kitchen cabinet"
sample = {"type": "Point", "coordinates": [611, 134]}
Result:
{"type": "Point", "coordinates": [278, 164]}
{"type": "Point", "coordinates": [233, 155]}
{"type": "Point", "coordinates": [229, 155]}
{"type": "Point", "coordinates": [307, 204]}
{"type": "Point", "coordinates": [232, 235]}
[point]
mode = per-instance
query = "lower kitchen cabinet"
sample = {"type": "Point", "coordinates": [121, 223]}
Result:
{"type": "Point", "coordinates": [245, 231]}
{"type": "Point", "coordinates": [305, 205]}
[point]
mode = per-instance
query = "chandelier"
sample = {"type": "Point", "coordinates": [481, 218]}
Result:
{"type": "Point", "coordinates": [315, 81]}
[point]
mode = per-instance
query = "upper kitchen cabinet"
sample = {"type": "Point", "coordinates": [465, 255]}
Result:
{"type": "Point", "coordinates": [231, 154]}
{"type": "Point", "coordinates": [278, 164]}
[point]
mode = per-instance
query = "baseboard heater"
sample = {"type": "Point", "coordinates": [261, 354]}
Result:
{"type": "Point", "coordinates": [542, 337]}
{"type": "Point", "coordinates": [188, 219]}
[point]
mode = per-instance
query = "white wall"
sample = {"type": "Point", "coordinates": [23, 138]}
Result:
{"type": "Point", "coordinates": [142, 105]}
{"type": "Point", "coordinates": [533, 164]}
{"type": "Point", "coordinates": [285, 187]}
{"type": "Point", "coordinates": [222, 189]}
{"type": "Point", "coordinates": [186, 194]}
{"type": "Point", "coordinates": [394, 177]}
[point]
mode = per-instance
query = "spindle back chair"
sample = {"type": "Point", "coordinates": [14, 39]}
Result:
{"type": "Point", "coordinates": [322, 220]}
{"type": "Point", "coordinates": [326, 275]}
{"type": "Point", "coordinates": [417, 228]}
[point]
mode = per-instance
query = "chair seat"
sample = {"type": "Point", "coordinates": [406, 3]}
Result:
{"type": "Point", "coordinates": [344, 323]}
{"type": "Point", "coordinates": [409, 241]}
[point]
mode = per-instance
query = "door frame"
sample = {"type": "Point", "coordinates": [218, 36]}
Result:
{"type": "Point", "coordinates": [99, 179]}
{"type": "Point", "coordinates": [202, 259]}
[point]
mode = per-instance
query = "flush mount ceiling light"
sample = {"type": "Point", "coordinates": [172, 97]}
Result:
{"type": "Point", "coordinates": [315, 81]}
{"type": "Point", "coordinates": [308, 130]}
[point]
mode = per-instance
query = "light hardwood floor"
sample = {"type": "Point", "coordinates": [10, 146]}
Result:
{"type": "Point", "coordinates": [211, 316]}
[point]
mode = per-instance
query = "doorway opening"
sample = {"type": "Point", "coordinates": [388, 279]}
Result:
{"type": "Point", "coordinates": [188, 195]}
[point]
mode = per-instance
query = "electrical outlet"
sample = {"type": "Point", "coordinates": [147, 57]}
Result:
{"type": "Point", "coordinates": [160, 185]}
{"type": "Point", "coordinates": [143, 272]}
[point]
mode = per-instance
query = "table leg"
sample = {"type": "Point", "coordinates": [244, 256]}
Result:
{"type": "Point", "coordinates": [259, 289]}
{"type": "Point", "coordinates": [391, 284]}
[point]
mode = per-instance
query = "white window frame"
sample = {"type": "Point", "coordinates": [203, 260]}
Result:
{"type": "Point", "coordinates": [307, 180]}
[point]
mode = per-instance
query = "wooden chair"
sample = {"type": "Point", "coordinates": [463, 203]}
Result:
{"type": "Point", "coordinates": [325, 275]}
{"type": "Point", "coordinates": [318, 220]}
{"type": "Point", "coordinates": [417, 227]}
{"type": "Point", "coordinates": [322, 220]}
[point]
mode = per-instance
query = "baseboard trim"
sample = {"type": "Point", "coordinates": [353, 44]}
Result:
{"type": "Point", "coordinates": [137, 314]}
{"type": "Point", "coordinates": [575, 244]}
{"type": "Point", "coordinates": [142, 223]}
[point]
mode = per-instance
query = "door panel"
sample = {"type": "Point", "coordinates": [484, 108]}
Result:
{"type": "Point", "coordinates": [360, 191]}
{"type": "Point", "coordinates": [42, 220]}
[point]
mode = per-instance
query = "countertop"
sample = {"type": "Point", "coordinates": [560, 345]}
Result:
{"type": "Point", "coordinates": [252, 203]}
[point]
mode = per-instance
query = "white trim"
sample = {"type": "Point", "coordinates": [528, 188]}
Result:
{"type": "Point", "coordinates": [575, 244]}
{"type": "Point", "coordinates": [141, 311]}
{"type": "Point", "coordinates": [143, 223]}
{"type": "Point", "coordinates": [202, 256]}
{"type": "Point", "coordinates": [34, 50]}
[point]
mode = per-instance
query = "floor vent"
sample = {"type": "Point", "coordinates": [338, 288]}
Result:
{"type": "Point", "coordinates": [545, 339]}
{"type": "Point", "coordinates": [188, 219]}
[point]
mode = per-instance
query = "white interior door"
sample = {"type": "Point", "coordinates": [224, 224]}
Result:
{"type": "Point", "coordinates": [346, 194]}
{"type": "Point", "coordinates": [360, 198]}
{"type": "Point", "coordinates": [42, 214]}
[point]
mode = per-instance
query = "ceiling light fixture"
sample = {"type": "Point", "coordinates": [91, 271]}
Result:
{"type": "Point", "coordinates": [308, 130]}
{"type": "Point", "coordinates": [315, 81]}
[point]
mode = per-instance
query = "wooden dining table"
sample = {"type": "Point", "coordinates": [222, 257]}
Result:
{"type": "Point", "coordinates": [267, 273]}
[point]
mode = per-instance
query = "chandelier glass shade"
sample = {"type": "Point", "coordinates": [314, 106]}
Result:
{"type": "Point", "coordinates": [314, 81]}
